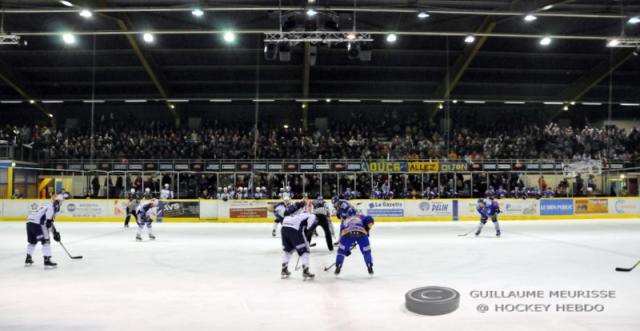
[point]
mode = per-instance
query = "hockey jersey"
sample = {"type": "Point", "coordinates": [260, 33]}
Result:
{"type": "Point", "coordinates": [42, 214]}
{"type": "Point", "coordinates": [356, 226]}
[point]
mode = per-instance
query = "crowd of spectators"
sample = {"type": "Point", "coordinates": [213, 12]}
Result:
{"type": "Point", "coordinates": [389, 136]}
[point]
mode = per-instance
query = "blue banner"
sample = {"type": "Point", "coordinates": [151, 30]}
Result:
{"type": "Point", "coordinates": [556, 207]}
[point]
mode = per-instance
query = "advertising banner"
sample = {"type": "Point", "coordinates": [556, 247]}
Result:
{"type": "Point", "coordinates": [179, 209]}
{"type": "Point", "coordinates": [513, 207]}
{"type": "Point", "coordinates": [624, 206]}
{"type": "Point", "coordinates": [423, 166]}
{"type": "Point", "coordinates": [385, 208]}
{"type": "Point", "coordinates": [556, 207]}
{"type": "Point", "coordinates": [247, 209]}
{"type": "Point", "coordinates": [592, 206]}
{"type": "Point", "coordinates": [384, 166]}
{"type": "Point", "coordinates": [429, 208]}
{"type": "Point", "coordinates": [453, 166]}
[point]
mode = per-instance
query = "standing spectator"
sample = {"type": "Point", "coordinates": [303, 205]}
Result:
{"type": "Point", "coordinates": [95, 186]}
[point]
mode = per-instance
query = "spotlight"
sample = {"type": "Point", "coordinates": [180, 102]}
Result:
{"type": "Point", "coordinates": [423, 14]}
{"type": "Point", "coordinates": [148, 37]}
{"type": "Point", "coordinates": [546, 41]}
{"type": "Point", "coordinates": [270, 51]}
{"type": "Point", "coordinates": [197, 12]}
{"type": "Point", "coordinates": [391, 38]}
{"type": "Point", "coordinates": [229, 37]}
{"type": "Point", "coordinates": [311, 12]}
{"type": "Point", "coordinates": [636, 52]}
{"type": "Point", "coordinates": [327, 100]}
{"type": "Point", "coordinates": [565, 108]}
{"type": "Point", "coordinates": [440, 106]}
{"type": "Point", "coordinates": [172, 106]}
{"type": "Point", "coordinates": [66, 3]}
{"type": "Point", "coordinates": [286, 126]}
{"type": "Point", "coordinates": [68, 38]}
{"type": "Point", "coordinates": [634, 20]}
{"type": "Point", "coordinates": [469, 39]}
{"type": "Point", "coordinates": [353, 51]}
{"type": "Point", "coordinates": [50, 115]}
{"type": "Point", "coordinates": [530, 18]}
{"type": "Point", "coordinates": [32, 101]}
{"type": "Point", "coordinates": [573, 103]}
{"type": "Point", "coordinates": [547, 7]}
{"type": "Point", "coordinates": [613, 42]}
{"type": "Point", "coordinates": [351, 36]}
{"type": "Point", "coordinates": [455, 101]}
{"type": "Point", "coordinates": [86, 13]}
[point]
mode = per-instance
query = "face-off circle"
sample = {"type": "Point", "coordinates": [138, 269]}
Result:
{"type": "Point", "coordinates": [432, 300]}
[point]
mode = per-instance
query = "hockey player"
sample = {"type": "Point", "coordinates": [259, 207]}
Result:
{"type": "Point", "coordinates": [488, 209]}
{"type": "Point", "coordinates": [147, 193]}
{"type": "Point", "coordinates": [294, 225]}
{"type": "Point", "coordinates": [225, 194]}
{"type": "Point", "coordinates": [343, 208]}
{"type": "Point", "coordinates": [144, 212]}
{"type": "Point", "coordinates": [322, 211]}
{"type": "Point", "coordinates": [38, 225]}
{"type": "Point", "coordinates": [166, 193]}
{"type": "Point", "coordinates": [279, 211]}
{"type": "Point", "coordinates": [349, 194]}
{"type": "Point", "coordinates": [134, 200]}
{"type": "Point", "coordinates": [355, 230]}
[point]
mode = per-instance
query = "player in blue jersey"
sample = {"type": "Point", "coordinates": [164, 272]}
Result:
{"type": "Point", "coordinates": [343, 208]}
{"type": "Point", "coordinates": [501, 193]}
{"type": "Point", "coordinates": [354, 230]}
{"type": "Point", "coordinates": [488, 209]}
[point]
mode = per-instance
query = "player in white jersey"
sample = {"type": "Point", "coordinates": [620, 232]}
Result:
{"type": "Point", "coordinates": [296, 221]}
{"type": "Point", "coordinates": [38, 225]}
{"type": "Point", "coordinates": [144, 213]}
{"type": "Point", "coordinates": [166, 193]}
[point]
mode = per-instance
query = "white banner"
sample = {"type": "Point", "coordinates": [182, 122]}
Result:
{"type": "Point", "coordinates": [429, 208]}
{"type": "Point", "coordinates": [624, 206]}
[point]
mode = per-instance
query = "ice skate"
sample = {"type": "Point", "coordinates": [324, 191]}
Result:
{"type": "Point", "coordinates": [338, 268]}
{"type": "Point", "coordinates": [152, 237]}
{"type": "Point", "coordinates": [370, 268]}
{"type": "Point", "coordinates": [285, 271]}
{"type": "Point", "coordinates": [306, 274]}
{"type": "Point", "coordinates": [28, 261]}
{"type": "Point", "coordinates": [48, 263]}
{"type": "Point", "coordinates": [138, 237]}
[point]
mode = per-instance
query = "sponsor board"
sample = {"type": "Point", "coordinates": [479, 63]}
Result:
{"type": "Point", "coordinates": [179, 209]}
{"type": "Point", "coordinates": [519, 207]}
{"type": "Point", "coordinates": [423, 166]}
{"type": "Point", "coordinates": [385, 208]}
{"type": "Point", "coordinates": [247, 209]}
{"type": "Point", "coordinates": [384, 166]}
{"type": "Point", "coordinates": [429, 208]}
{"type": "Point", "coordinates": [556, 207]}
{"type": "Point", "coordinates": [624, 206]}
{"type": "Point", "coordinates": [82, 208]}
{"type": "Point", "coordinates": [592, 206]}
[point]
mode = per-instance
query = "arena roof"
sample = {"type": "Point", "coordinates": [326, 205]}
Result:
{"type": "Point", "coordinates": [189, 60]}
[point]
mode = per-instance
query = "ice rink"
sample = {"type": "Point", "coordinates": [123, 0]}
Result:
{"type": "Point", "coordinates": [211, 276]}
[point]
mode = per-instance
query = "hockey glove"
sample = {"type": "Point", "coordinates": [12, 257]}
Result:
{"type": "Point", "coordinates": [56, 236]}
{"type": "Point", "coordinates": [48, 223]}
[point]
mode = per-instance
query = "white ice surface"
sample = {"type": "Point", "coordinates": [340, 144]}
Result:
{"type": "Point", "coordinates": [226, 277]}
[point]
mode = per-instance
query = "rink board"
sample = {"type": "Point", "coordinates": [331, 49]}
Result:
{"type": "Point", "coordinates": [404, 210]}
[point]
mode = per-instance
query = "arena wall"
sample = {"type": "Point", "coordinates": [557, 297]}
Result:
{"type": "Point", "coordinates": [114, 210]}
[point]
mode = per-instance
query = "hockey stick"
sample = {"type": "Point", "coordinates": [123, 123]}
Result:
{"type": "Point", "coordinates": [465, 234]}
{"type": "Point", "coordinates": [334, 264]}
{"type": "Point", "coordinates": [65, 249]}
{"type": "Point", "coordinates": [71, 256]}
{"type": "Point", "coordinates": [628, 269]}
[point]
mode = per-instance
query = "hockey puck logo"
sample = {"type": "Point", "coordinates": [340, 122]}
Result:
{"type": "Point", "coordinates": [432, 300]}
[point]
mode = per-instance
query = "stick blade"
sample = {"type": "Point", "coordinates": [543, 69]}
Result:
{"type": "Point", "coordinates": [624, 269]}
{"type": "Point", "coordinates": [76, 257]}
